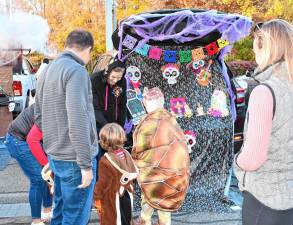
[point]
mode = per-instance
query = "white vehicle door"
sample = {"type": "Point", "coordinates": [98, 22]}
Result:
{"type": "Point", "coordinates": [28, 70]}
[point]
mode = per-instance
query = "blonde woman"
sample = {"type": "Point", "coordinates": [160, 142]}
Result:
{"type": "Point", "coordinates": [264, 167]}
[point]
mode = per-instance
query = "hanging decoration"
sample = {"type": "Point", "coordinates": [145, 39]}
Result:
{"type": "Point", "coordinates": [129, 41]}
{"type": "Point", "coordinates": [198, 54]}
{"type": "Point", "coordinates": [144, 50]}
{"type": "Point", "coordinates": [171, 72]}
{"type": "Point", "coordinates": [178, 106]}
{"type": "Point", "coordinates": [204, 77]}
{"type": "Point", "coordinates": [219, 107]}
{"type": "Point", "coordinates": [212, 48]}
{"type": "Point", "coordinates": [190, 139]}
{"type": "Point", "coordinates": [222, 43]}
{"type": "Point", "coordinates": [134, 74]}
{"type": "Point", "coordinates": [135, 107]}
{"type": "Point", "coordinates": [170, 56]}
{"type": "Point", "coordinates": [155, 53]}
{"type": "Point", "coordinates": [185, 56]}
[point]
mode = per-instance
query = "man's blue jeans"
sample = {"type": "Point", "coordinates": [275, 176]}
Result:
{"type": "Point", "coordinates": [39, 192]}
{"type": "Point", "coordinates": [72, 205]}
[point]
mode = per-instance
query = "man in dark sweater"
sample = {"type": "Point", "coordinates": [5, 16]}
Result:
{"type": "Point", "coordinates": [64, 112]}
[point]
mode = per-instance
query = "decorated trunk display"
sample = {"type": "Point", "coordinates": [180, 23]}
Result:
{"type": "Point", "coordinates": [182, 52]}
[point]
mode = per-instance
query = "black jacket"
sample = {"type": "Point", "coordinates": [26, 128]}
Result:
{"type": "Point", "coordinates": [116, 108]}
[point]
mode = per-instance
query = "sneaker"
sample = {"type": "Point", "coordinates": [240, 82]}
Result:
{"type": "Point", "coordinates": [46, 217]}
{"type": "Point", "coordinates": [40, 223]}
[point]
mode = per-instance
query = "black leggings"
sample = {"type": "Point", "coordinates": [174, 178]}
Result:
{"type": "Point", "coordinates": [255, 213]}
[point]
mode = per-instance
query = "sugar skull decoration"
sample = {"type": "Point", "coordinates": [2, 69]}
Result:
{"type": "Point", "coordinates": [177, 106]}
{"type": "Point", "coordinates": [219, 107]}
{"type": "Point", "coordinates": [134, 74]}
{"type": "Point", "coordinates": [171, 72]}
{"type": "Point", "coordinates": [190, 139]}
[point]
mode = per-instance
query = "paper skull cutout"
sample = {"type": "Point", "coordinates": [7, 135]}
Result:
{"type": "Point", "coordinates": [133, 73]}
{"type": "Point", "coordinates": [190, 139]}
{"type": "Point", "coordinates": [171, 72]}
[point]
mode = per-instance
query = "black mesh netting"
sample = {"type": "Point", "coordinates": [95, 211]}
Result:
{"type": "Point", "coordinates": [212, 155]}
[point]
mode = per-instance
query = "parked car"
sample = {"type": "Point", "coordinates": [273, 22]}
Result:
{"type": "Point", "coordinates": [24, 83]}
{"type": "Point", "coordinates": [243, 85]}
{"type": "Point", "coordinates": [6, 100]}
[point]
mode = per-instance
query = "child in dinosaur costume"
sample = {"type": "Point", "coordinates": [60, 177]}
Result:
{"type": "Point", "coordinates": [161, 155]}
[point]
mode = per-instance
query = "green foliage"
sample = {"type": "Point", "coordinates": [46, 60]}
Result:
{"type": "Point", "coordinates": [242, 50]}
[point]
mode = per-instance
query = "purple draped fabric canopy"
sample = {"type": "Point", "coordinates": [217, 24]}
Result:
{"type": "Point", "coordinates": [232, 27]}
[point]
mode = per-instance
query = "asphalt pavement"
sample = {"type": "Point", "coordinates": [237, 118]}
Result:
{"type": "Point", "coordinates": [14, 207]}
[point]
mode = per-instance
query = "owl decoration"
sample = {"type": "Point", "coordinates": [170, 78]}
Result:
{"type": "Point", "coordinates": [134, 74]}
{"type": "Point", "coordinates": [171, 72]}
{"type": "Point", "coordinates": [196, 66]}
{"type": "Point", "coordinates": [190, 139]}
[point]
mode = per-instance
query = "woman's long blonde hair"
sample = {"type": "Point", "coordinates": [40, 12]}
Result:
{"type": "Point", "coordinates": [275, 39]}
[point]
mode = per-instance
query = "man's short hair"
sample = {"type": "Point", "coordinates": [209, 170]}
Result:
{"type": "Point", "coordinates": [79, 39]}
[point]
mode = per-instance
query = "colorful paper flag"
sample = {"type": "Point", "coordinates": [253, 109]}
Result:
{"type": "Point", "coordinates": [155, 53]}
{"type": "Point", "coordinates": [144, 50]}
{"type": "Point", "coordinates": [222, 43]}
{"type": "Point", "coordinates": [212, 48]}
{"type": "Point", "coordinates": [185, 56]}
{"type": "Point", "coordinates": [129, 41]}
{"type": "Point", "coordinates": [198, 54]}
{"type": "Point", "coordinates": [170, 56]}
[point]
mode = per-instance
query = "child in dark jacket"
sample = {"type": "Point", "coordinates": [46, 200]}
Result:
{"type": "Point", "coordinates": [114, 189]}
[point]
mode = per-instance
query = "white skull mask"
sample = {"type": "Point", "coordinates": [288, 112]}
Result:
{"type": "Point", "coordinates": [190, 141]}
{"type": "Point", "coordinates": [133, 73]}
{"type": "Point", "coordinates": [171, 73]}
